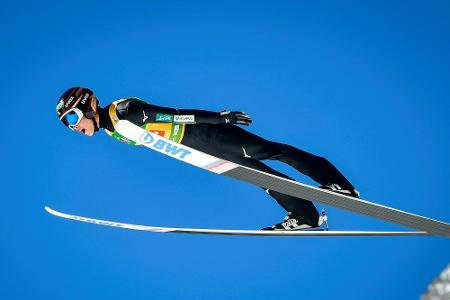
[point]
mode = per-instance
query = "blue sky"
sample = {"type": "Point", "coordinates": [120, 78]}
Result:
{"type": "Point", "coordinates": [364, 84]}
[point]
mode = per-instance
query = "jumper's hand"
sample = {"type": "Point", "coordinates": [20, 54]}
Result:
{"type": "Point", "coordinates": [235, 117]}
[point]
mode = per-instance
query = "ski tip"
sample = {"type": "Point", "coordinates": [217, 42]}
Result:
{"type": "Point", "coordinates": [48, 209]}
{"type": "Point", "coordinates": [55, 212]}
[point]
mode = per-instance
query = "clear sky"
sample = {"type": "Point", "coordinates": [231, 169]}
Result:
{"type": "Point", "coordinates": [364, 83]}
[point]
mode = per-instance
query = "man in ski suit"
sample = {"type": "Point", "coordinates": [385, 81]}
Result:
{"type": "Point", "coordinates": [214, 133]}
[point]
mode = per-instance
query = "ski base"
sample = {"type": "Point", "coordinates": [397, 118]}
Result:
{"type": "Point", "coordinates": [319, 232]}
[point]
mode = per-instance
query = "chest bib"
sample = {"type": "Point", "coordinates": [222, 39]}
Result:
{"type": "Point", "coordinates": [169, 130]}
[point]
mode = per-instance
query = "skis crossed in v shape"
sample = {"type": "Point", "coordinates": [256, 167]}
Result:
{"type": "Point", "coordinates": [425, 225]}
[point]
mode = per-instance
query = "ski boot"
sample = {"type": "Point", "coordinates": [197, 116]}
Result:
{"type": "Point", "coordinates": [291, 223]}
{"type": "Point", "coordinates": [334, 187]}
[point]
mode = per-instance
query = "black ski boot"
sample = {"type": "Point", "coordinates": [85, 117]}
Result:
{"type": "Point", "coordinates": [334, 187]}
{"type": "Point", "coordinates": [292, 223]}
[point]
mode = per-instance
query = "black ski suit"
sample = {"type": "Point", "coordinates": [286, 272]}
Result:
{"type": "Point", "coordinates": [235, 144]}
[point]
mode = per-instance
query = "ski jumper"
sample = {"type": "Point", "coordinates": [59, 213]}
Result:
{"type": "Point", "coordinates": [203, 130]}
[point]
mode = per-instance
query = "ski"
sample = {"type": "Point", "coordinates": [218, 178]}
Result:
{"type": "Point", "coordinates": [282, 185]}
{"type": "Point", "coordinates": [231, 231]}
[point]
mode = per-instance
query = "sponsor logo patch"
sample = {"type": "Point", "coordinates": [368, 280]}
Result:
{"type": "Point", "coordinates": [86, 96]}
{"type": "Point", "coordinates": [147, 138]}
{"type": "Point", "coordinates": [164, 118]}
{"type": "Point", "coordinates": [60, 105]}
{"type": "Point", "coordinates": [69, 101]}
{"type": "Point", "coordinates": [145, 117]}
{"type": "Point", "coordinates": [161, 145]}
{"type": "Point", "coordinates": [184, 119]}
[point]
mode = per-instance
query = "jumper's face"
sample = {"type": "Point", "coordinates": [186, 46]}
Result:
{"type": "Point", "coordinates": [86, 126]}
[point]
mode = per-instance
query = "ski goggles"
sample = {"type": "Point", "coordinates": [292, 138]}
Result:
{"type": "Point", "coordinates": [72, 117]}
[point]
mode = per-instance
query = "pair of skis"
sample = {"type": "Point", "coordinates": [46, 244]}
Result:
{"type": "Point", "coordinates": [426, 226]}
